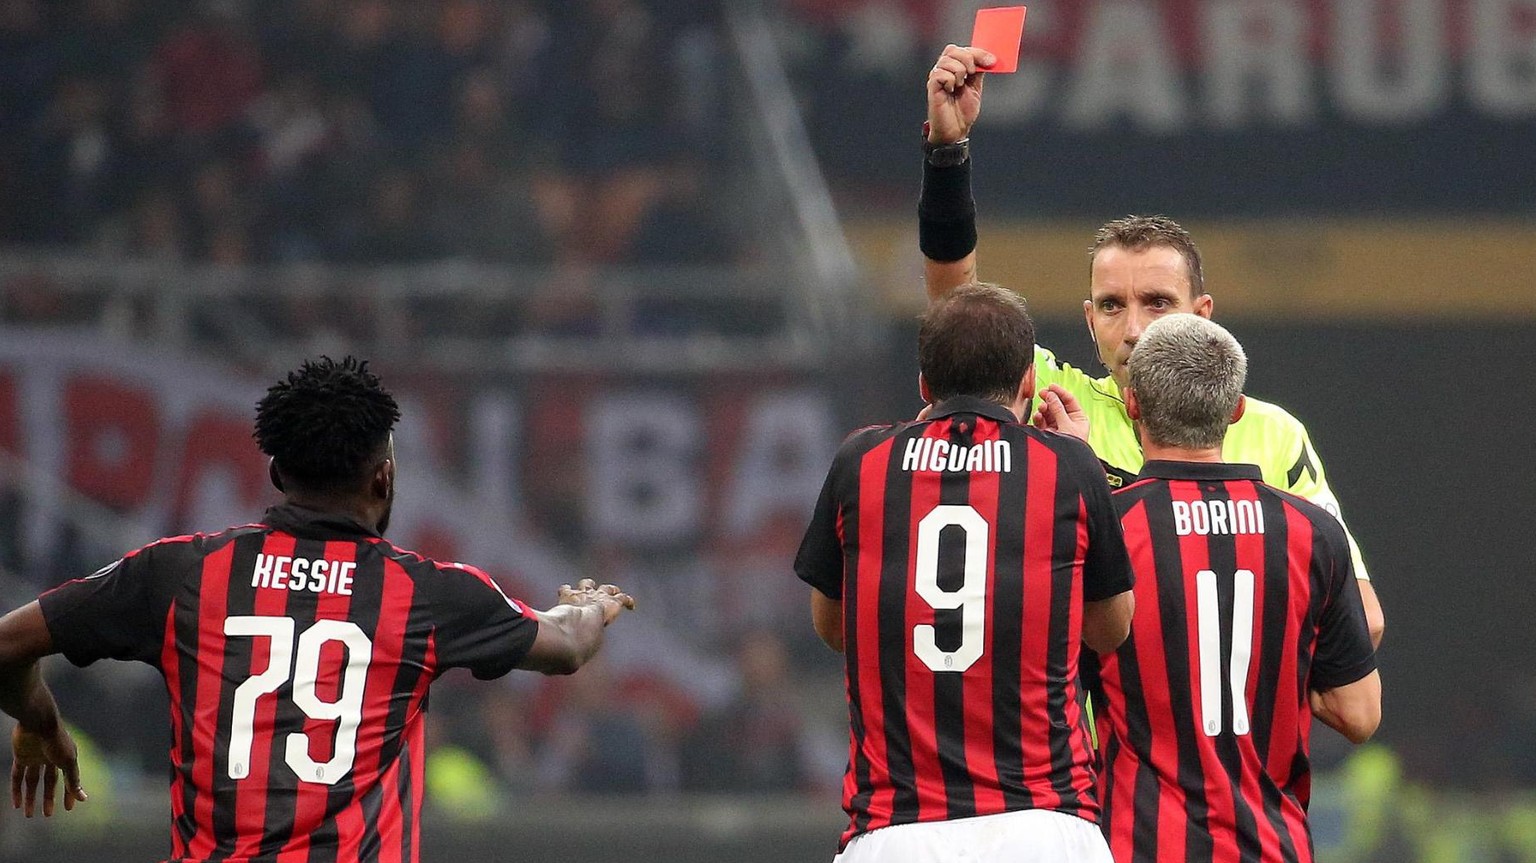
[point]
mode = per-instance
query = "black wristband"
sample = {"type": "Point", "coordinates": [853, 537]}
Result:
{"type": "Point", "coordinates": [946, 213]}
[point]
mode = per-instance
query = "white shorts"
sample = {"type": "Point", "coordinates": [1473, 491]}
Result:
{"type": "Point", "coordinates": [1029, 836]}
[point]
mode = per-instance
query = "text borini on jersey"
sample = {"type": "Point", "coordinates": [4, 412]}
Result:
{"type": "Point", "coordinates": [1220, 517]}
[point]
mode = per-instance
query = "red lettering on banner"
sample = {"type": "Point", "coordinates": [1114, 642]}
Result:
{"type": "Point", "coordinates": [9, 438]}
{"type": "Point", "coordinates": [221, 442]}
{"type": "Point", "coordinates": [112, 432]}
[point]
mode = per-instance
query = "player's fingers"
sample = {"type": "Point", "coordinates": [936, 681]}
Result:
{"type": "Point", "coordinates": [72, 789]}
{"type": "Point", "coordinates": [29, 790]}
{"type": "Point", "coordinates": [586, 584]}
{"type": "Point", "coordinates": [16, 773]}
{"type": "Point", "coordinates": [627, 601]}
{"type": "Point", "coordinates": [50, 788]}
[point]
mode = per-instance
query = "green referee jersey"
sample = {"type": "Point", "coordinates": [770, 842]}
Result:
{"type": "Point", "coordinates": [1267, 436]}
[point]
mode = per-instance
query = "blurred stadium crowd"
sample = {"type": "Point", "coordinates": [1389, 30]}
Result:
{"type": "Point", "coordinates": [361, 131]}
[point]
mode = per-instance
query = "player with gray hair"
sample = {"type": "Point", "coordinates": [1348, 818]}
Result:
{"type": "Point", "coordinates": [1187, 373]}
{"type": "Point", "coordinates": [1247, 625]}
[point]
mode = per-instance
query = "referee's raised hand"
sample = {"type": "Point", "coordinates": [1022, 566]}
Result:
{"type": "Point", "coordinates": [954, 93]}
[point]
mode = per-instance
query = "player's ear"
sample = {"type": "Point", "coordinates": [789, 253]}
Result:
{"type": "Point", "coordinates": [1205, 304]}
{"type": "Point", "coordinates": [1242, 405]}
{"type": "Point", "coordinates": [1133, 407]}
{"type": "Point", "coordinates": [922, 389]}
{"type": "Point", "coordinates": [273, 475]}
{"type": "Point", "coordinates": [1027, 385]}
{"type": "Point", "coordinates": [382, 484]}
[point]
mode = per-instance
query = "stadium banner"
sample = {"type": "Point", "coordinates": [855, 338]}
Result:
{"type": "Point", "coordinates": [1200, 106]}
{"type": "Point", "coordinates": [675, 489]}
{"type": "Point", "coordinates": [1285, 269]}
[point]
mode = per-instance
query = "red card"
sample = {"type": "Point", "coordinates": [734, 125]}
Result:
{"type": "Point", "coordinates": [1000, 30]}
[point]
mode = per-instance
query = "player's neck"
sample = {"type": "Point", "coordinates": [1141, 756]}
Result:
{"type": "Point", "coordinates": [1153, 451]}
{"type": "Point", "coordinates": [343, 505]}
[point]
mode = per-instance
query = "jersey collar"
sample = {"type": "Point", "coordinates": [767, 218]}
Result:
{"type": "Point", "coordinates": [972, 405]}
{"type": "Point", "coordinates": [1199, 470]}
{"type": "Point", "coordinates": [308, 523]}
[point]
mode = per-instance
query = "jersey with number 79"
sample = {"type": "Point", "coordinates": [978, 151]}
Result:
{"type": "Point", "coordinates": [297, 653]}
{"type": "Point", "coordinates": [962, 548]}
{"type": "Point", "coordinates": [1245, 601]}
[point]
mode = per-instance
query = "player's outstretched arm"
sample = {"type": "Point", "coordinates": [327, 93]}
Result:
{"type": "Point", "coordinates": [1353, 710]}
{"type": "Point", "coordinates": [947, 211]}
{"type": "Point", "coordinates": [571, 632]}
{"type": "Point", "coordinates": [41, 748]}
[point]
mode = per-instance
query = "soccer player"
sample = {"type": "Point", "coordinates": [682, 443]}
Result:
{"type": "Point", "coordinates": [959, 562]}
{"type": "Point", "coordinates": [297, 651]}
{"type": "Point", "coordinates": [1247, 625]}
{"type": "Point", "coordinates": [1142, 268]}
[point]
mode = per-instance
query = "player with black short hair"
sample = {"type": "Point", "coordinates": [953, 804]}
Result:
{"type": "Point", "coordinates": [297, 650]}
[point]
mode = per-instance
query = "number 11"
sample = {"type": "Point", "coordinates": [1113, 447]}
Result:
{"type": "Point", "coordinates": [1208, 613]}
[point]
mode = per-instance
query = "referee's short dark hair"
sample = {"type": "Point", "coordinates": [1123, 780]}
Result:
{"type": "Point", "coordinates": [1138, 233]}
{"type": "Point", "coordinates": [327, 424]}
{"type": "Point", "coordinates": [977, 341]}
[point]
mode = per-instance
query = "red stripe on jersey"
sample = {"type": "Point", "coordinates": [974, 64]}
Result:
{"type": "Point", "coordinates": [1300, 540]}
{"type": "Point", "coordinates": [1035, 629]}
{"type": "Point", "coordinates": [1083, 781]}
{"type": "Point", "coordinates": [1221, 807]}
{"type": "Point", "coordinates": [1152, 662]}
{"type": "Point", "coordinates": [416, 740]}
{"type": "Point", "coordinates": [388, 649]}
{"type": "Point", "coordinates": [311, 798]}
{"type": "Point", "coordinates": [391, 814]}
{"type": "Point", "coordinates": [213, 600]}
{"type": "Point", "coordinates": [251, 792]}
{"type": "Point", "coordinates": [1250, 556]}
{"type": "Point", "coordinates": [980, 758]}
{"type": "Point", "coordinates": [922, 713]}
{"type": "Point", "coordinates": [170, 664]}
{"type": "Point", "coordinates": [871, 706]}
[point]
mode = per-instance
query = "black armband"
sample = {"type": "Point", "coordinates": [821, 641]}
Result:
{"type": "Point", "coordinates": [946, 212]}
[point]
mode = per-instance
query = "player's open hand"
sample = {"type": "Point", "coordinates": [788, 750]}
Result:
{"type": "Point", "coordinates": [39, 758]}
{"type": "Point", "coordinates": [608, 597]}
{"type": "Point", "coordinates": [954, 93]}
{"type": "Point", "coordinates": [1060, 411]}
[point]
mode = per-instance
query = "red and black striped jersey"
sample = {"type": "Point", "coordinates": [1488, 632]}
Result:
{"type": "Point", "coordinates": [962, 548]}
{"type": "Point", "coordinates": [297, 653]}
{"type": "Point", "coordinates": [1245, 601]}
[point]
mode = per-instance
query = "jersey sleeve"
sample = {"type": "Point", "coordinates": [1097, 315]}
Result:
{"type": "Point", "coordinates": [116, 613]}
{"type": "Point", "coordinates": [1106, 564]}
{"type": "Point", "coordinates": [819, 562]}
{"type": "Point", "coordinates": [477, 626]}
{"type": "Point", "coordinates": [1344, 652]}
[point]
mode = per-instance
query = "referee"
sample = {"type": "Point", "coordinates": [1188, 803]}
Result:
{"type": "Point", "coordinates": [1142, 268]}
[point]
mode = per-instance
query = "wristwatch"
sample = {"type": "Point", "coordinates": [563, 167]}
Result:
{"type": "Point", "coordinates": [947, 155]}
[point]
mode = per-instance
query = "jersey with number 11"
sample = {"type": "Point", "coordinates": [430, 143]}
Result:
{"type": "Point", "coordinates": [962, 549]}
{"type": "Point", "coordinates": [1245, 601]}
{"type": "Point", "coordinates": [297, 653]}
